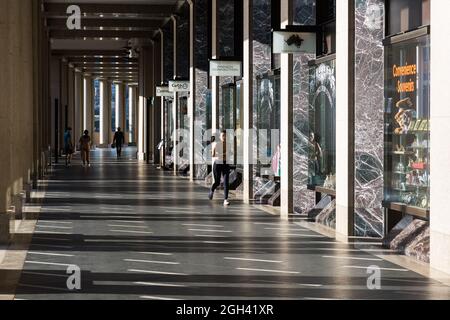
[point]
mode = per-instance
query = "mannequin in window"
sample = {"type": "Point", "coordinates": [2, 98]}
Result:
{"type": "Point", "coordinates": [317, 153]}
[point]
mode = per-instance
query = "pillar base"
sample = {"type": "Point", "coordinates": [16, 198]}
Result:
{"type": "Point", "coordinates": [7, 226]}
{"type": "Point", "coordinates": [27, 189]}
{"type": "Point", "coordinates": [141, 156]}
{"type": "Point", "coordinates": [439, 253]}
{"type": "Point", "coordinates": [18, 201]}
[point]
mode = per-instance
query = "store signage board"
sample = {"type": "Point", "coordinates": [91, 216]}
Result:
{"type": "Point", "coordinates": [179, 86]}
{"type": "Point", "coordinates": [294, 42]}
{"type": "Point", "coordinates": [223, 68]}
{"type": "Point", "coordinates": [163, 91]}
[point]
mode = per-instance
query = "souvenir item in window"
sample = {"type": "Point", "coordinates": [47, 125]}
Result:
{"type": "Point", "coordinates": [417, 126]}
{"type": "Point", "coordinates": [424, 125]}
{"type": "Point", "coordinates": [404, 116]}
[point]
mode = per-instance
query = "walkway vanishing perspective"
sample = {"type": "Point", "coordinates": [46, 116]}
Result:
{"type": "Point", "coordinates": [138, 233]}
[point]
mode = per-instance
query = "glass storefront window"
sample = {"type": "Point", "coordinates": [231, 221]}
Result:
{"type": "Point", "coordinates": [228, 107]}
{"type": "Point", "coordinates": [268, 125]}
{"type": "Point", "coordinates": [239, 125]}
{"type": "Point", "coordinates": [322, 124]}
{"type": "Point", "coordinates": [407, 122]}
{"type": "Point", "coordinates": [169, 121]}
{"type": "Point", "coordinates": [405, 15]}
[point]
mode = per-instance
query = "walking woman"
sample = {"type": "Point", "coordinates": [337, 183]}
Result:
{"type": "Point", "coordinates": [85, 147]}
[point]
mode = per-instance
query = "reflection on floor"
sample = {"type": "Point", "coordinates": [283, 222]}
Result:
{"type": "Point", "coordinates": [138, 233]}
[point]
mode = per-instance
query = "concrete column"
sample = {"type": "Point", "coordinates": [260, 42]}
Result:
{"type": "Point", "coordinates": [5, 121]}
{"type": "Point", "coordinates": [89, 91]}
{"type": "Point", "coordinates": [214, 80]}
{"type": "Point", "coordinates": [175, 104]}
{"type": "Point", "coordinates": [78, 109]}
{"type": "Point", "coordinates": [105, 112]}
{"type": "Point", "coordinates": [440, 150]}
{"type": "Point", "coordinates": [64, 98]}
{"type": "Point", "coordinates": [191, 101]}
{"type": "Point", "coordinates": [71, 96]}
{"type": "Point", "coordinates": [156, 110]}
{"type": "Point", "coordinates": [161, 101]}
{"type": "Point", "coordinates": [132, 103]}
{"type": "Point", "coordinates": [287, 117]}
{"type": "Point", "coordinates": [145, 92]}
{"type": "Point", "coordinates": [120, 107]}
{"type": "Point", "coordinates": [248, 102]}
{"type": "Point", "coordinates": [345, 171]}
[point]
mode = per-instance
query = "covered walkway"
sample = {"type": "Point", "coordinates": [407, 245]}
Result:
{"type": "Point", "coordinates": [139, 233]}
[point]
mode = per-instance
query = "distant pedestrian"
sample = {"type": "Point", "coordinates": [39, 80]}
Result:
{"type": "Point", "coordinates": [119, 141]}
{"type": "Point", "coordinates": [85, 147]}
{"type": "Point", "coordinates": [68, 146]}
{"type": "Point", "coordinates": [220, 167]}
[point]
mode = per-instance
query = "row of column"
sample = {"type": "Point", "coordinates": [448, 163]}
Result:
{"type": "Point", "coordinates": [25, 117]}
{"type": "Point", "coordinates": [76, 98]}
{"type": "Point", "coordinates": [351, 109]}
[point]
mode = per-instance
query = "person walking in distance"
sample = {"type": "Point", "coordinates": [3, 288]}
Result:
{"type": "Point", "coordinates": [119, 141]}
{"type": "Point", "coordinates": [85, 147]}
{"type": "Point", "coordinates": [68, 146]}
{"type": "Point", "coordinates": [220, 167]}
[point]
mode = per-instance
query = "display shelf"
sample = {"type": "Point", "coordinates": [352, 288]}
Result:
{"type": "Point", "coordinates": [406, 209]}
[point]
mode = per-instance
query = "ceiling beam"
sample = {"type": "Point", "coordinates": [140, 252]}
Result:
{"type": "Point", "coordinates": [58, 23]}
{"type": "Point", "coordinates": [52, 9]}
{"type": "Point", "coordinates": [106, 61]}
{"type": "Point", "coordinates": [81, 34]}
{"type": "Point", "coordinates": [90, 53]}
{"type": "Point", "coordinates": [109, 65]}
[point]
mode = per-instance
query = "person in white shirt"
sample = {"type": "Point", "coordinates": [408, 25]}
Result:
{"type": "Point", "coordinates": [220, 167]}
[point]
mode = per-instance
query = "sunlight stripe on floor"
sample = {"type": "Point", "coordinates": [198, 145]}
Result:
{"type": "Point", "coordinates": [352, 258]}
{"type": "Point", "coordinates": [158, 298]}
{"type": "Point", "coordinates": [151, 261]}
{"type": "Point", "coordinates": [383, 269]}
{"type": "Point", "coordinates": [131, 231]}
{"type": "Point", "coordinates": [157, 272]}
{"type": "Point", "coordinates": [268, 270]}
{"type": "Point", "coordinates": [208, 230]}
{"type": "Point", "coordinates": [203, 225]}
{"type": "Point", "coordinates": [50, 254]}
{"type": "Point", "coordinates": [254, 260]}
{"type": "Point", "coordinates": [157, 284]}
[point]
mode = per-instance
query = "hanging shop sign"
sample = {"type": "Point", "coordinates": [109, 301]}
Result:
{"type": "Point", "coordinates": [163, 91]}
{"type": "Point", "coordinates": [294, 42]}
{"type": "Point", "coordinates": [179, 86]}
{"type": "Point", "coordinates": [225, 68]}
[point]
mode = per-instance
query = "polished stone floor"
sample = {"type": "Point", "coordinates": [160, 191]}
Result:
{"type": "Point", "coordinates": [138, 233]}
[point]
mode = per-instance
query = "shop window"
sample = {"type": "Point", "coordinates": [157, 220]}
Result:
{"type": "Point", "coordinates": [406, 15]}
{"type": "Point", "coordinates": [407, 122]}
{"type": "Point", "coordinates": [322, 125]}
{"type": "Point", "coordinates": [326, 19]}
{"type": "Point", "coordinates": [268, 124]}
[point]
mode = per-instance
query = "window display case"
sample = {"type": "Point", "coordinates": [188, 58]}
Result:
{"type": "Point", "coordinates": [322, 124]}
{"type": "Point", "coordinates": [268, 124]}
{"type": "Point", "coordinates": [407, 123]}
{"type": "Point", "coordinates": [168, 119]}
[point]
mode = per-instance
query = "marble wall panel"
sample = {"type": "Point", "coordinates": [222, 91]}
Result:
{"type": "Point", "coordinates": [304, 14]}
{"type": "Point", "coordinates": [369, 117]}
{"type": "Point", "coordinates": [202, 92]}
{"type": "Point", "coordinates": [262, 61]}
